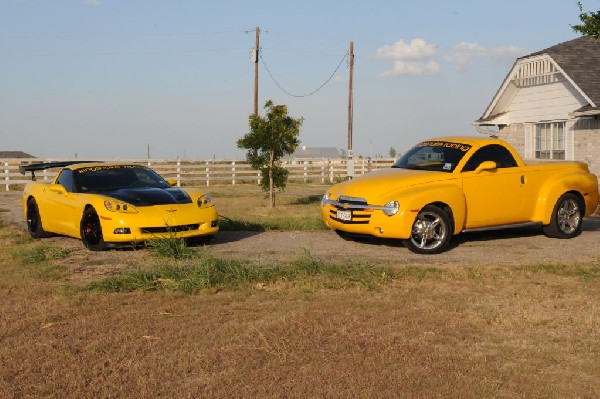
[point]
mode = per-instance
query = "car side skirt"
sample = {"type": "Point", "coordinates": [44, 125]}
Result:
{"type": "Point", "coordinates": [504, 226]}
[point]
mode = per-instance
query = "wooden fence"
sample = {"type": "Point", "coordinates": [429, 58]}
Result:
{"type": "Point", "coordinates": [213, 172]}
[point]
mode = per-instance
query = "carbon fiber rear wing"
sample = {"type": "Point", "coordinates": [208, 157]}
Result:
{"type": "Point", "coordinates": [47, 165]}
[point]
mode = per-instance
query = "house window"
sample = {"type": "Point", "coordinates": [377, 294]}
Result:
{"type": "Point", "coordinates": [550, 140]}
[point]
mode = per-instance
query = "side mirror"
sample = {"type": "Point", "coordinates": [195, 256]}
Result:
{"type": "Point", "coordinates": [172, 182]}
{"type": "Point", "coordinates": [57, 188]}
{"type": "Point", "coordinates": [486, 165]}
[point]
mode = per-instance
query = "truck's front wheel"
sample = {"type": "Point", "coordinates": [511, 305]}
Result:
{"type": "Point", "coordinates": [567, 217]}
{"type": "Point", "coordinates": [431, 231]}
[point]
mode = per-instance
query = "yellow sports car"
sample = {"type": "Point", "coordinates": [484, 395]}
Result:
{"type": "Point", "coordinates": [109, 205]}
{"type": "Point", "coordinates": [448, 185]}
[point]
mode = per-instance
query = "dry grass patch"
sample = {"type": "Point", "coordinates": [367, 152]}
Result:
{"type": "Point", "coordinates": [434, 337]}
{"type": "Point", "coordinates": [311, 329]}
{"type": "Point", "coordinates": [297, 208]}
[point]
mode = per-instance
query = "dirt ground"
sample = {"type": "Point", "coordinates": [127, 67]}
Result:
{"type": "Point", "coordinates": [509, 246]}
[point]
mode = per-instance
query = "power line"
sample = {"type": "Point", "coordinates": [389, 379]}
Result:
{"type": "Point", "coordinates": [121, 53]}
{"type": "Point", "coordinates": [307, 94]}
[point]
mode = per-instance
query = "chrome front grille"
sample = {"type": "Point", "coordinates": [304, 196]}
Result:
{"type": "Point", "coordinates": [359, 215]}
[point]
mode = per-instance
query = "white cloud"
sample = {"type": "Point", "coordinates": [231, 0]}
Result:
{"type": "Point", "coordinates": [409, 59]}
{"type": "Point", "coordinates": [412, 68]}
{"type": "Point", "coordinates": [94, 2]}
{"type": "Point", "coordinates": [466, 54]}
{"type": "Point", "coordinates": [416, 49]}
{"type": "Point", "coordinates": [419, 58]}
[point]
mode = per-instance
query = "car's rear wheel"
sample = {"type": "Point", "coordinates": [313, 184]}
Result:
{"type": "Point", "coordinates": [91, 231]}
{"type": "Point", "coordinates": [567, 217]}
{"type": "Point", "coordinates": [34, 220]}
{"type": "Point", "coordinates": [431, 231]}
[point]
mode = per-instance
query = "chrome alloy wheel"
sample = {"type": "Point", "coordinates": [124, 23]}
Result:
{"type": "Point", "coordinates": [429, 231]}
{"type": "Point", "coordinates": [568, 216]}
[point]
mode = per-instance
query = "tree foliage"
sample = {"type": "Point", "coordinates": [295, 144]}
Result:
{"type": "Point", "coordinates": [590, 23]}
{"type": "Point", "coordinates": [270, 138]}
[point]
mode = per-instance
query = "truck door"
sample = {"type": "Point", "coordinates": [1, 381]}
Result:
{"type": "Point", "coordinates": [494, 196]}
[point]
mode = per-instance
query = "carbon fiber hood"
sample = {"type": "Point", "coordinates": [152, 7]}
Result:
{"type": "Point", "coordinates": [150, 196]}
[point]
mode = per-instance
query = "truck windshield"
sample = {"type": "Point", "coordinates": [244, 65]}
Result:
{"type": "Point", "coordinates": [440, 156]}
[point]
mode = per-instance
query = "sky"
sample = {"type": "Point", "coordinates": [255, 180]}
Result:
{"type": "Point", "coordinates": [106, 79]}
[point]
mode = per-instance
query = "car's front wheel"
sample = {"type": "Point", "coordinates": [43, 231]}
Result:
{"type": "Point", "coordinates": [34, 220]}
{"type": "Point", "coordinates": [431, 231]}
{"type": "Point", "coordinates": [91, 231]}
{"type": "Point", "coordinates": [567, 217]}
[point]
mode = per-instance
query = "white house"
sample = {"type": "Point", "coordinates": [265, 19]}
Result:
{"type": "Point", "coordinates": [548, 106]}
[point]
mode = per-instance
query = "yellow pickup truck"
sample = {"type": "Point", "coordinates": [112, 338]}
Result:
{"type": "Point", "coordinates": [444, 186]}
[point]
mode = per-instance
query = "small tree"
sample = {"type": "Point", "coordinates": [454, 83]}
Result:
{"type": "Point", "coordinates": [590, 23]}
{"type": "Point", "coordinates": [393, 152]}
{"type": "Point", "coordinates": [270, 138]}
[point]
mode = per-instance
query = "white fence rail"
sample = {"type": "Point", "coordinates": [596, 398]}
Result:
{"type": "Point", "coordinates": [213, 172]}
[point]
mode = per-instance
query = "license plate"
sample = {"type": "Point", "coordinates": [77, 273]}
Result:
{"type": "Point", "coordinates": [346, 216]}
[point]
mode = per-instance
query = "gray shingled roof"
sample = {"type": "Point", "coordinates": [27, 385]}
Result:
{"type": "Point", "coordinates": [580, 59]}
{"type": "Point", "coordinates": [14, 154]}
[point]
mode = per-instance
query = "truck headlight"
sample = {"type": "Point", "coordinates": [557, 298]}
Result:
{"type": "Point", "coordinates": [391, 208]}
{"type": "Point", "coordinates": [325, 198]}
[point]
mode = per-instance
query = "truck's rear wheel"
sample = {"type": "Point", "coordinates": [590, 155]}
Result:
{"type": "Point", "coordinates": [567, 217]}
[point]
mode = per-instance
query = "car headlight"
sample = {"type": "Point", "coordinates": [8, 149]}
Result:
{"type": "Point", "coordinates": [391, 208]}
{"type": "Point", "coordinates": [205, 200]}
{"type": "Point", "coordinates": [325, 198]}
{"type": "Point", "coordinates": [118, 206]}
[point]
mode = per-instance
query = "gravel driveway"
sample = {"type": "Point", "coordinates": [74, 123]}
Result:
{"type": "Point", "coordinates": [509, 246]}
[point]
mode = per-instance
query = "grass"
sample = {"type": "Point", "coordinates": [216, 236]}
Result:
{"type": "Point", "coordinates": [586, 272]}
{"type": "Point", "coordinates": [273, 223]}
{"type": "Point", "coordinates": [40, 253]}
{"type": "Point", "coordinates": [179, 322]}
{"type": "Point", "coordinates": [297, 209]}
{"type": "Point", "coordinates": [39, 258]}
{"type": "Point", "coordinates": [169, 247]}
{"type": "Point", "coordinates": [208, 272]}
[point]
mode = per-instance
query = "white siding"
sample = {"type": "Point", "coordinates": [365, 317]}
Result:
{"type": "Point", "coordinates": [544, 103]}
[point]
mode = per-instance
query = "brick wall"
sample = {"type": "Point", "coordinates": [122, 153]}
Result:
{"type": "Point", "coordinates": [587, 143]}
{"type": "Point", "coordinates": [515, 136]}
{"type": "Point", "coordinates": [586, 147]}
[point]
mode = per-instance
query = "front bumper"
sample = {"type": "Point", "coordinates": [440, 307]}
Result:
{"type": "Point", "coordinates": [366, 219]}
{"type": "Point", "coordinates": [159, 222]}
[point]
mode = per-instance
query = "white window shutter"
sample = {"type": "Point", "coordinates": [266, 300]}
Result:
{"type": "Point", "coordinates": [529, 151]}
{"type": "Point", "coordinates": [570, 140]}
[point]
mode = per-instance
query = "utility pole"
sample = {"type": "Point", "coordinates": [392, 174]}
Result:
{"type": "Point", "coordinates": [350, 112]}
{"type": "Point", "coordinates": [256, 50]}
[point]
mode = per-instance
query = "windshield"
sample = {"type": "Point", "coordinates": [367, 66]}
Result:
{"type": "Point", "coordinates": [442, 156]}
{"type": "Point", "coordinates": [114, 177]}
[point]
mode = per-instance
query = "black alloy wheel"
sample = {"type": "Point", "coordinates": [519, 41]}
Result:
{"type": "Point", "coordinates": [34, 220]}
{"type": "Point", "coordinates": [91, 231]}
